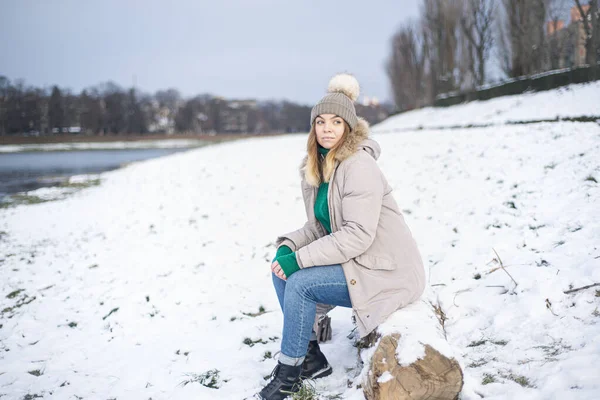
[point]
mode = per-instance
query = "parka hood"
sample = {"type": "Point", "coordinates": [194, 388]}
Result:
{"type": "Point", "coordinates": [371, 147]}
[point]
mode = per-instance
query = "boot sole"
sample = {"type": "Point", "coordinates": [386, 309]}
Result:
{"type": "Point", "coordinates": [320, 373]}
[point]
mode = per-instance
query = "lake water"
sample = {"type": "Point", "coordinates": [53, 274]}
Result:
{"type": "Point", "coordinates": [25, 171]}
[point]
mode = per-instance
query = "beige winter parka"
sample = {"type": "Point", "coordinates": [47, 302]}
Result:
{"type": "Point", "coordinates": [369, 238]}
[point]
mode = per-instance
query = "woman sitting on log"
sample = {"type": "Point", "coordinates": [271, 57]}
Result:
{"type": "Point", "coordinates": [354, 251]}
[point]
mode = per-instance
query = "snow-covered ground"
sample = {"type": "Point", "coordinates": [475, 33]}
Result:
{"type": "Point", "coordinates": [134, 287]}
{"type": "Point", "coordinates": [573, 101]}
{"type": "Point", "coordinates": [140, 144]}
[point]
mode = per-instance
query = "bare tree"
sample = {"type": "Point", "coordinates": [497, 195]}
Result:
{"type": "Point", "coordinates": [522, 37]}
{"type": "Point", "coordinates": [4, 88]}
{"type": "Point", "coordinates": [440, 21]}
{"type": "Point", "coordinates": [591, 25]}
{"type": "Point", "coordinates": [405, 68]}
{"type": "Point", "coordinates": [476, 23]}
{"type": "Point", "coordinates": [56, 111]}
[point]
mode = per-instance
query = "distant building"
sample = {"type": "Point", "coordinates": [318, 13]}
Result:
{"type": "Point", "coordinates": [567, 42]}
{"type": "Point", "coordinates": [372, 110]}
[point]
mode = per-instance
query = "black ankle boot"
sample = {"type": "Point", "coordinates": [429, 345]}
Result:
{"type": "Point", "coordinates": [285, 380]}
{"type": "Point", "coordinates": [315, 364]}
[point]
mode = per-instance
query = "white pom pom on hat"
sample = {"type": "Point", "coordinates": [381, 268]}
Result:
{"type": "Point", "coordinates": [346, 84]}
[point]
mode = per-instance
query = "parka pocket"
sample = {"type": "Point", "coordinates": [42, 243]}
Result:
{"type": "Point", "coordinates": [373, 262]}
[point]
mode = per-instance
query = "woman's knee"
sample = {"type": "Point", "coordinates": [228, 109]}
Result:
{"type": "Point", "coordinates": [298, 280]}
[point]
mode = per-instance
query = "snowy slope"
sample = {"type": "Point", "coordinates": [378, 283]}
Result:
{"type": "Point", "coordinates": [573, 101]}
{"type": "Point", "coordinates": [125, 289]}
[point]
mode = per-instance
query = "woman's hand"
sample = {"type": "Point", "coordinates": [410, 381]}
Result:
{"type": "Point", "coordinates": [276, 268]}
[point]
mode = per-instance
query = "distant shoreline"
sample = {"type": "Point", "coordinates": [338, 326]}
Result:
{"type": "Point", "coordinates": [16, 140]}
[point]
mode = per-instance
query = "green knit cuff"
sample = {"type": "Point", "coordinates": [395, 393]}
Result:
{"type": "Point", "coordinates": [288, 264]}
{"type": "Point", "coordinates": [281, 251]}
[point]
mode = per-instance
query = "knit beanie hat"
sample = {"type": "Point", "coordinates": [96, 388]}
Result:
{"type": "Point", "coordinates": [342, 91]}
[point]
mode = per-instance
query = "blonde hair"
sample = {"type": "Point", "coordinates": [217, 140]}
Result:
{"type": "Point", "coordinates": [317, 171]}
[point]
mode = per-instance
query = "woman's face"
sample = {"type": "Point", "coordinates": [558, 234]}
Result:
{"type": "Point", "coordinates": [329, 129]}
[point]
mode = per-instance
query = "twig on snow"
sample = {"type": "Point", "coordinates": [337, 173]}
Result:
{"type": "Point", "coordinates": [502, 265]}
{"type": "Point", "coordinates": [581, 288]}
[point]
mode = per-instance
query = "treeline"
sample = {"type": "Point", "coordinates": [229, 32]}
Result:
{"type": "Point", "coordinates": [449, 47]}
{"type": "Point", "coordinates": [108, 109]}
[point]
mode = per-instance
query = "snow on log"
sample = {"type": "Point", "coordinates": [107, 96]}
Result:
{"type": "Point", "coordinates": [410, 358]}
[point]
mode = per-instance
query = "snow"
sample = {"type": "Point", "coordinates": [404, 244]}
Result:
{"type": "Point", "coordinates": [129, 287]}
{"type": "Point", "coordinates": [141, 144]}
{"type": "Point", "coordinates": [385, 377]}
{"type": "Point", "coordinates": [573, 101]}
{"type": "Point", "coordinates": [417, 325]}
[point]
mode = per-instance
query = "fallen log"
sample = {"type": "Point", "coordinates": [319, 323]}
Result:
{"type": "Point", "coordinates": [410, 358]}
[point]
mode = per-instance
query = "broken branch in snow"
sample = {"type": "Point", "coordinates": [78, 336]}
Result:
{"type": "Point", "coordinates": [581, 288]}
{"type": "Point", "coordinates": [502, 265]}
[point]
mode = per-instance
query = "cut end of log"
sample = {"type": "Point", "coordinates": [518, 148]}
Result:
{"type": "Point", "coordinates": [435, 376]}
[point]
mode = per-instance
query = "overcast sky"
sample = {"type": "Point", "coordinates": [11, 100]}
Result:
{"type": "Point", "coordinates": [264, 49]}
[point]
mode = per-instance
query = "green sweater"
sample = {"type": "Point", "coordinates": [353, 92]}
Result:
{"type": "Point", "coordinates": [285, 256]}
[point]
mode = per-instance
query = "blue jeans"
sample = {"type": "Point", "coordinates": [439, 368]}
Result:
{"type": "Point", "coordinates": [298, 298]}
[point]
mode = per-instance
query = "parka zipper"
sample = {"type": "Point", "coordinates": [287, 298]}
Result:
{"type": "Point", "coordinates": [329, 197]}
{"type": "Point", "coordinates": [334, 228]}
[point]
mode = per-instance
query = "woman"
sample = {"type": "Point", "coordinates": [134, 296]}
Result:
{"type": "Point", "coordinates": [354, 251]}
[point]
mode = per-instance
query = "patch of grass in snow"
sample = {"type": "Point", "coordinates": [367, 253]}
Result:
{"type": "Point", "coordinates": [20, 199]}
{"type": "Point", "coordinates": [477, 276]}
{"type": "Point", "coordinates": [597, 293]}
{"type": "Point", "coordinates": [477, 343]}
{"type": "Point", "coordinates": [249, 342]}
{"type": "Point", "coordinates": [307, 391]}
{"type": "Point", "coordinates": [17, 199]}
{"type": "Point", "coordinates": [20, 303]}
{"type": "Point", "coordinates": [536, 227]}
{"type": "Point", "coordinates": [261, 311]}
{"type": "Point", "coordinates": [520, 379]}
{"type": "Point", "coordinates": [590, 178]}
{"type": "Point", "coordinates": [81, 185]}
{"type": "Point", "coordinates": [267, 355]}
{"type": "Point", "coordinates": [481, 342]}
{"type": "Point", "coordinates": [553, 349]}
{"type": "Point", "coordinates": [35, 372]}
{"type": "Point", "coordinates": [31, 396]}
{"type": "Point", "coordinates": [209, 379]}
{"type": "Point", "coordinates": [487, 379]}
{"type": "Point", "coordinates": [477, 363]}
{"type": "Point", "coordinates": [14, 293]}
